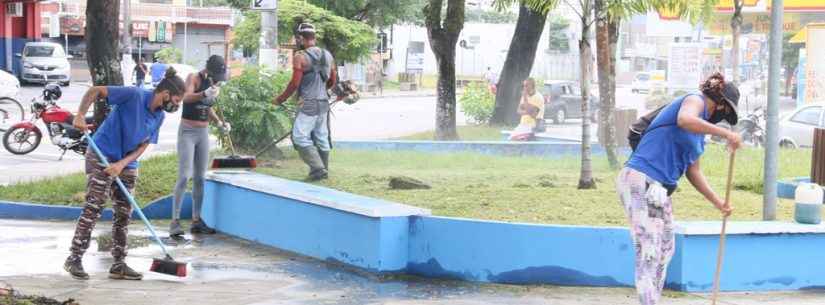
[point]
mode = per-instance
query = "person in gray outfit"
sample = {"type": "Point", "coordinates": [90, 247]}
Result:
{"type": "Point", "coordinates": [313, 73]}
{"type": "Point", "coordinates": [193, 141]}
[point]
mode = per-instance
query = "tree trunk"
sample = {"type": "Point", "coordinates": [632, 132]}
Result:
{"type": "Point", "coordinates": [788, 76]}
{"type": "Point", "coordinates": [443, 40]}
{"type": "Point", "coordinates": [517, 66]}
{"type": "Point", "coordinates": [586, 180]}
{"type": "Point", "coordinates": [606, 29]}
{"type": "Point", "coordinates": [736, 30]}
{"type": "Point", "coordinates": [103, 48]}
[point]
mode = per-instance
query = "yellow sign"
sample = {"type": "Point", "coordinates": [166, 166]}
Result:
{"type": "Point", "coordinates": [790, 5]}
{"type": "Point", "coordinates": [755, 23]}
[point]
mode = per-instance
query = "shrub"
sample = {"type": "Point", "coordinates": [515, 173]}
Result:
{"type": "Point", "coordinates": [478, 103]}
{"type": "Point", "coordinates": [246, 103]}
{"type": "Point", "coordinates": [170, 55]}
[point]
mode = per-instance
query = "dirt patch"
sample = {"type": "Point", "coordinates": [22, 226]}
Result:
{"type": "Point", "coordinates": [10, 297]}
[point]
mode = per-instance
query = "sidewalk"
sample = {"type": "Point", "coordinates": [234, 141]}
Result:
{"type": "Point", "coordinates": [399, 94]}
{"type": "Point", "coordinates": [224, 270]}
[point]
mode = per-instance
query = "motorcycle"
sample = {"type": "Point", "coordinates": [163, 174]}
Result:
{"type": "Point", "coordinates": [751, 128]}
{"type": "Point", "coordinates": [24, 137]}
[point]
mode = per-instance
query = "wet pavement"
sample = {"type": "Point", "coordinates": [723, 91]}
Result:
{"type": "Point", "coordinates": [225, 270]}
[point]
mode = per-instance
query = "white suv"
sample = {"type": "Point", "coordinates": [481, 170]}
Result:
{"type": "Point", "coordinates": [45, 62]}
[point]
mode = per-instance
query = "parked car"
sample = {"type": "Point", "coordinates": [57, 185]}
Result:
{"type": "Point", "coordinates": [45, 62]}
{"type": "Point", "coordinates": [644, 82]}
{"type": "Point", "coordinates": [182, 70]}
{"type": "Point", "coordinates": [797, 128]}
{"type": "Point", "coordinates": [9, 85]}
{"type": "Point", "coordinates": [563, 100]}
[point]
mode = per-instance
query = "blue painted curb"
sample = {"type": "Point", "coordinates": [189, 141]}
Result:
{"type": "Point", "coordinates": [386, 237]}
{"type": "Point", "coordinates": [535, 149]}
{"type": "Point", "coordinates": [158, 209]}
{"type": "Point", "coordinates": [787, 188]}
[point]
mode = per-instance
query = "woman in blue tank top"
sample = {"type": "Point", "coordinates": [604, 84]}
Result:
{"type": "Point", "coordinates": [669, 149]}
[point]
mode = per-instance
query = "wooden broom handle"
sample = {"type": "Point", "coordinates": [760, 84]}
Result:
{"type": "Point", "coordinates": [721, 253]}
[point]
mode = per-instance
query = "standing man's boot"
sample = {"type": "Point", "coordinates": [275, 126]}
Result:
{"type": "Point", "coordinates": [324, 158]}
{"type": "Point", "coordinates": [312, 158]}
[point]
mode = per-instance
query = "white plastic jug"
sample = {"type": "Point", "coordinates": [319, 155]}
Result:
{"type": "Point", "coordinates": [809, 193]}
{"type": "Point", "coordinates": [808, 208]}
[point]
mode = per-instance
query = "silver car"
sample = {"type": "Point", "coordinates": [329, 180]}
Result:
{"type": "Point", "coordinates": [796, 129]}
{"type": "Point", "coordinates": [45, 62]}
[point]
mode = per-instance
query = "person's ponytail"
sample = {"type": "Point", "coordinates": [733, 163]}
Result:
{"type": "Point", "coordinates": [713, 86]}
{"type": "Point", "coordinates": [172, 83]}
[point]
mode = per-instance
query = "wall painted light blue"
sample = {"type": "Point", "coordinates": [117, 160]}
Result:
{"type": "Point", "coordinates": [158, 209]}
{"type": "Point", "coordinates": [322, 223]}
{"type": "Point", "coordinates": [382, 236]}
{"type": "Point", "coordinates": [489, 251]}
{"type": "Point", "coordinates": [537, 149]}
{"type": "Point", "coordinates": [758, 256]}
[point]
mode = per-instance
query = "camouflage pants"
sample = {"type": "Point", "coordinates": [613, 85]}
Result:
{"type": "Point", "coordinates": [100, 187]}
{"type": "Point", "coordinates": [651, 227]}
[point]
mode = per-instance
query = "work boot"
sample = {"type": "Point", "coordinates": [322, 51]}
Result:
{"type": "Point", "coordinates": [75, 268]}
{"type": "Point", "coordinates": [199, 227]}
{"type": "Point", "coordinates": [175, 230]}
{"type": "Point", "coordinates": [120, 271]}
{"type": "Point", "coordinates": [324, 154]}
{"type": "Point", "coordinates": [312, 158]}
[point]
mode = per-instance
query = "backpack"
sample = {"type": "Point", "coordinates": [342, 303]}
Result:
{"type": "Point", "coordinates": [320, 65]}
{"type": "Point", "coordinates": [637, 130]}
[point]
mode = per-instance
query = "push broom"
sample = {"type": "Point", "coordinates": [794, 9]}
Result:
{"type": "Point", "coordinates": [166, 265]}
{"type": "Point", "coordinates": [234, 160]}
{"type": "Point", "coordinates": [721, 254]}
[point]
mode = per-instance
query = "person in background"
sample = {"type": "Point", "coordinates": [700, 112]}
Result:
{"type": "Point", "coordinates": [125, 134]}
{"type": "Point", "coordinates": [670, 148]}
{"type": "Point", "coordinates": [193, 141]}
{"type": "Point", "coordinates": [158, 69]}
{"type": "Point", "coordinates": [531, 109]}
{"type": "Point", "coordinates": [140, 72]}
{"type": "Point", "coordinates": [313, 73]}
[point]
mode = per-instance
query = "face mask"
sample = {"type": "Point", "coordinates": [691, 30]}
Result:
{"type": "Point", "coordinates": [717, 116]}
{"type": "Point", "coordinates": [169, 106]}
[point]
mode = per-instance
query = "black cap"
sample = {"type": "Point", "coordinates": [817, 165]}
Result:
{"type": "Point", "coordinates": [730, 94]}
{"type": "Point", "coordinates": [216, 67]}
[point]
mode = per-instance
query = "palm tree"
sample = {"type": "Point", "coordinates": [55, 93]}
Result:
{"type": "Point", "coordinates": [736, 31]}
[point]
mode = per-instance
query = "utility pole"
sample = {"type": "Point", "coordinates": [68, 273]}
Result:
{"type": "Point", "coordinates": [127, 26]}
{"type": "Point", "coordinates": [268, 50]}
{"type": "Point", "coordinates": [772, 125]}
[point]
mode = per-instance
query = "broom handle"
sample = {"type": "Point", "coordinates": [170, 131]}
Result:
{"type": "Point", "coordinates": [125, 191]}
{"type": "Point", "coordinates": [721, 254]}
{"type": "Point", "coordinates": [228, 137]}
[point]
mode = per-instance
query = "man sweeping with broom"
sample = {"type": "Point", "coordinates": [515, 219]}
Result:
{"type": "Point", "coordinates": [313, 73]}
{"type": "Point", "coordinates": [670, 148]}
{"type": "Point", "coordinates": [128, 130]}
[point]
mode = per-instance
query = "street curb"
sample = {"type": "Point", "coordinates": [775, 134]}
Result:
{"type": "Point", "coordinates": [555, 149]}
{"type": "Point", "coordinates": [158, 209]}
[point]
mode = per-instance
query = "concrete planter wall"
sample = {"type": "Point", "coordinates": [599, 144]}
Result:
{"type": "Point", "coordinates": [386, 237]}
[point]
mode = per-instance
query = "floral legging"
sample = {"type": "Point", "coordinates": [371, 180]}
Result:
{"type": "Point", "coordinates": [651, 227]}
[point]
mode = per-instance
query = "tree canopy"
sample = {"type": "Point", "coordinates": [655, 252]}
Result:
{"type": "Point", "coordinates": [348, 40]}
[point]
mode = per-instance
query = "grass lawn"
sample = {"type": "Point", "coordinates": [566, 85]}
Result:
{"type": "Point", "coordinates": [518, 189]}
{"type": "Point", "coordinates": [156, 179]}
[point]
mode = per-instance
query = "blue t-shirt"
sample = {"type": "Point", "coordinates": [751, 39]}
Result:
{"type": "Point", "coordinates": [666, 150]}
{"type": "Point", "coordinates": [158, 70]}
{"type": "Point", "coordinates": [129, 124]}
